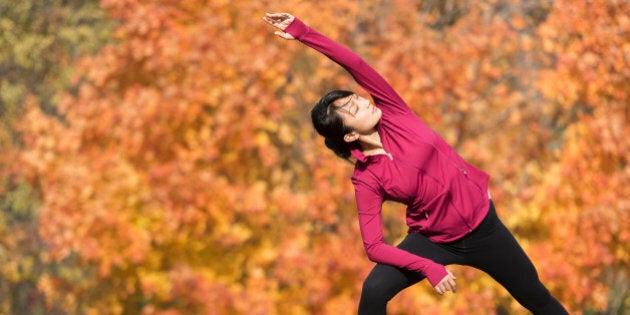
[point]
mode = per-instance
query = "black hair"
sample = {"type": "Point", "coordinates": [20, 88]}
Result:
{"type": "Point", "coordinates": [329, 124]}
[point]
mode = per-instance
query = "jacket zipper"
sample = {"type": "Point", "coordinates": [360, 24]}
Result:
{"type": "Point", "coordinates": [462, 170]}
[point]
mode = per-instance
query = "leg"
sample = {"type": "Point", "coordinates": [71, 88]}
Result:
{"type": "Point", "coordinates": [498, 254]}
{"type": "Point", "coordinates": [385, 281]}
{"type": "Point", "coordinates": [381, 285]}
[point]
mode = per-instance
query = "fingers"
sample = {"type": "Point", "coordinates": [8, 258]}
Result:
{"type": "Point", "coordinates": [279, 16]}
{"type": "Point", "coordinates": [276, 18]}
{"type": "Point", "coordinates": [268, 20]}
{"type": "Point", "coordinates": [281, 21]}
{"type": "Point", "coordinates": [441, 289]}
{"type": "Point", "coordinates": [284, 35]}
{"type": "Point", "coordinates": [447, 284]}
{"type": "Point", "coordinates": [451, 284]}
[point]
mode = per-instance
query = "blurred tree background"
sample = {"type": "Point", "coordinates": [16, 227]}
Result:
{"type": "Point", "coordinates": [39, 43]}
{"type": "Point", "coordinates": [157, 155]}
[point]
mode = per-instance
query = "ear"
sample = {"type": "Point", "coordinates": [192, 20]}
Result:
{"type": "Point", "coordinates": [351, 136]}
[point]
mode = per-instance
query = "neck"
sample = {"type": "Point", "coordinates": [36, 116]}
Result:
{"type": "Point", "coordinates": [371, 144]}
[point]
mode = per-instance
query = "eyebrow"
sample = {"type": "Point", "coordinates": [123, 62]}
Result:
{"type": "Point", "coordinates": [356, 107]}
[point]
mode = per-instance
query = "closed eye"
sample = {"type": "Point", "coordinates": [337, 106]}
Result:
{"type": "Point", "coordinates": [355, 109]}
{"type": "Point", "coordinates": [351, 105]}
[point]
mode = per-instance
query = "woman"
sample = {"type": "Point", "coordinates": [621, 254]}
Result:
{"type": "Point", "coordinates": [450, 215]}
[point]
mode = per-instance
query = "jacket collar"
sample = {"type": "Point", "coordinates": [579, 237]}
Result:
{"type": "Point", "coordinates": [358, 154]}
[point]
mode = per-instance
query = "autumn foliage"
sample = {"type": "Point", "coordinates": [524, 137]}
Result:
{"type": "Point", "coordinates": [179, 173]}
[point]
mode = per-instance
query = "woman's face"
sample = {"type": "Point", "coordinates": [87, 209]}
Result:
{"type": "Point", "coordinates": [358, 113]}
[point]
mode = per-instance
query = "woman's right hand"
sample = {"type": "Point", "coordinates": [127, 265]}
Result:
{"type": "Point", "coordinates": [281, 21]}
{"type": "Point", "coordinates": [446, 284]}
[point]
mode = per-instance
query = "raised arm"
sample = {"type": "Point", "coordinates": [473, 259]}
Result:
{"type": "Point", "coordinates": [383, 94]}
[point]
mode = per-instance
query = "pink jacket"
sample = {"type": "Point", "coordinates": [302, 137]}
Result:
{"type": "Point", "coordinates": [446, 197]}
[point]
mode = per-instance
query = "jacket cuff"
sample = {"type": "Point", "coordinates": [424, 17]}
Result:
{"type": "Point", "coordinates": [297, 28]}
{"type": "Point", "coordinates": [435, 274]}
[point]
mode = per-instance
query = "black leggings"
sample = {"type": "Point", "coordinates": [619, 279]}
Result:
{"type": "Point", "coordinates": [490, 248]}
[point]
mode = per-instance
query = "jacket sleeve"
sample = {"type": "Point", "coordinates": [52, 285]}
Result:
{"type": "Point", "coordinates": [383, 94]}
{"type": "Point", "coordinates": [369, 204]}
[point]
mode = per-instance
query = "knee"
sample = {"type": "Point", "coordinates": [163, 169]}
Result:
{"type": "Point", "coordinates": [381, 285]}
{"type": "Point", "coordinates": [376, 291]}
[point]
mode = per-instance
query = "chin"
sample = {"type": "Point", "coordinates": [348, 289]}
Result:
{"type": "Point", "coordinates": [379, 115]}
